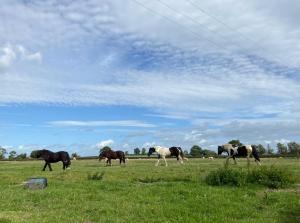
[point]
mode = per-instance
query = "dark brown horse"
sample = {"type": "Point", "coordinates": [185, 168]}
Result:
{"type": "Point", "coordinates": [51, 157]}
{"type": "Point", "coordinates": [110, 154]}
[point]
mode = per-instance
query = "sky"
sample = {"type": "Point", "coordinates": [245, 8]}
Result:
{"type": "Point", "coordinates": [79, 75]}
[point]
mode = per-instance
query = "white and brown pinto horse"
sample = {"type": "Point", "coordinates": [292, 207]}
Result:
{"type": "Point", "coordinates": [240, 151]}
{"type": "Point", "coordinates": [167, 152]}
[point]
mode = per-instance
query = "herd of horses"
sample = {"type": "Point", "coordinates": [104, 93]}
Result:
{"type": "Point", "coordinates": [162, 152]}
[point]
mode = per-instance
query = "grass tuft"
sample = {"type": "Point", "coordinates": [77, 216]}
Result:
{"type": "Point", "coordinates": [96, 176]}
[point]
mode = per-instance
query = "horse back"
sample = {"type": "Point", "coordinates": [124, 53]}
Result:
{"type": "Point", "coordinates": [175, 151]}
{"type": "Point", "coordinates": [63, 155]}
{"type": "Point", "coordinates": [244, 150]}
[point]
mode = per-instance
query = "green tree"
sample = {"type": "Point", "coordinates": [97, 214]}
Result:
{"type": "Point", "coordinates": [261, 149]}
{"type": "Point", "coordinates": [270, 150]}
{"type": "Point", "coordinates": [2, 153]}
{"type": "Point", "coordinates": [143, 151]}
{"type": "Point", "coordinates": [21, 156]}
{"type": "Point", "coordinates": [105, 148]}
{"type": "Point", "coordinates": [137, 151]}
{"type": "Point", "coordinates": [281, 148]}
{"type": "Point", "coordinates": [293, 148]}
{"type": "Point", "coordinates": [235, 142]}
{"type": "Point", "coordinates": [196, 150]}
{"type": "Point", "coordinates": [12, 155]}
{"type": "Point", "coordinates": [207, 152]}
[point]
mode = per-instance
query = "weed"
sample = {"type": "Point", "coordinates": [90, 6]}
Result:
{"type": "Point", "coordinates": [95, 176]}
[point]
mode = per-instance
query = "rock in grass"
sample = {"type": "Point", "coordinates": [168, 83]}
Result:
{"type": "Point", "coordinates": [36, 183]}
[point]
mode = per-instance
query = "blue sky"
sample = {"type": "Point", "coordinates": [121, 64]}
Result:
{"type": "Point", "coordinates": [79, 75]}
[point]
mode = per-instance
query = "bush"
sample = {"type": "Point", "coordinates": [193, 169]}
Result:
{"type": "Point", "coordinates": [272, 177]}
{"type": "Point", "coordinates": [95, 176]}
{"type": "Point", "coordinates": [226, 176]}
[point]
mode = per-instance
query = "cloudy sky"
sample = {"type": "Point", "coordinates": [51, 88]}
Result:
{"type": "Point", "coordinates": [78, 75]}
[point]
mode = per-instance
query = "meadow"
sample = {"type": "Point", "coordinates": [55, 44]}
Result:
{"type": "Point", "coordinates": [141, 192]}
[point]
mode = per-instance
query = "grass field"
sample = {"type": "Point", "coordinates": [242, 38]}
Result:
{"type": "Point", "coordinates": [141, 192]}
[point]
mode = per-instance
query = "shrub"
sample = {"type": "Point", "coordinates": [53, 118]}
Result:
{"type": "Point", "coordinates": [272, 177]}
{"type": "Point", "coordinates": [95, 176]}
{"type": "Point", "coordinates": [226, 176]}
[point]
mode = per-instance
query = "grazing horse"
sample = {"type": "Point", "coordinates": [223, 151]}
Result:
{"type": "Point", "coordinates": [240, 151]}
{"type": "Point", "coordinates": [110, 154]}
{"type": "Point", "coordinates": [164, 151]}
{"type": "Point", "coordinates": [52, 157]}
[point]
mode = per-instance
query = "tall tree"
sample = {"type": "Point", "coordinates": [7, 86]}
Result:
{"type": "Point", "coordinates": [2, 153]}
{"type": "Point", "coordinates": [235, 142]}
{"type": "Point", "coordinates": [281, 148]}
{"type": "Point", "coordinates": [137, 151]}
{"type": "Point", "coordinates": [21, 156]}
{"type": "Point", "coordinates": [261, 149]}
{"type": "Point", "coordinates": [143, 151]}
{"type": "Point", "coordinates": [196, 150]}
{"type": "Point", "coordinates": [293, 148]}
{"type": "Point", "coordinates": [270, 150]}
{"type": "Point", "coordinates": [12, 155]}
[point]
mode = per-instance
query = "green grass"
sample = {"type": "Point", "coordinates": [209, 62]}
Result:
{"type": "Point", "coordinates": [141, 192]}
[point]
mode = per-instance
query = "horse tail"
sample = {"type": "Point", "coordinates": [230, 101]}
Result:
{"type": "Point", "coordinates": [255, 153]}
{"type": "Point", "coordinates": [123, 157]}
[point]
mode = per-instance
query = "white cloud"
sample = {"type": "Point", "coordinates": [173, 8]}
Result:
{"type": "Point", "coordinates": [103, 143]}
{"type": "Point", "coordinates": [34, 57]}
{"type": "Point", "coordinates": [9, 54]}
{"type": "Point", "coordinates": [148, 144]}
{"type": "Point", "coordinates": [119, 123]}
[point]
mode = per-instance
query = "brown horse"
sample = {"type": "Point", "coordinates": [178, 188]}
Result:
{"type": "Point", "coordinates": [110, 154]}
{"type": "Point", "coordinates": [51, 157]}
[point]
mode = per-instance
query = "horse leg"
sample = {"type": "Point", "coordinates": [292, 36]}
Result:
{"type": "Point", "coordinates": [257, 162]}
{"type": "Point", "coordinates": [120, 161]}
{"type": "Point", "coordinates": [64, 165]}
{"type": "Point", "coordinates": [157, 162]}
{"type": "Point", "coordinates": [45, 166]}
{"type": "Point", "coordinates": [227, 160]}
{"type": "Point", "coordinates": [49, 165]}
{"type": "Point", "coordinates": [248, 160]}
{"type": "Point", "coordinates": [181, 160]}
{"type": "Point", "coordinates": [234, 160]}
{"type": "Point", "coordinates": [165, 160]}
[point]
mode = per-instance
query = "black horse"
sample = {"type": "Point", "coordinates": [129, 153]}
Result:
{"type": "Point", "coordinates": [51, 157]}
{"type": "Point", "coordinates": [110, 154]}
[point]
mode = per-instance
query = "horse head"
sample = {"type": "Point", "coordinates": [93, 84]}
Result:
{"type": "Point", "coordinates": [101, 156]}
{"type": "Point", "coordinates": [151, 150]}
